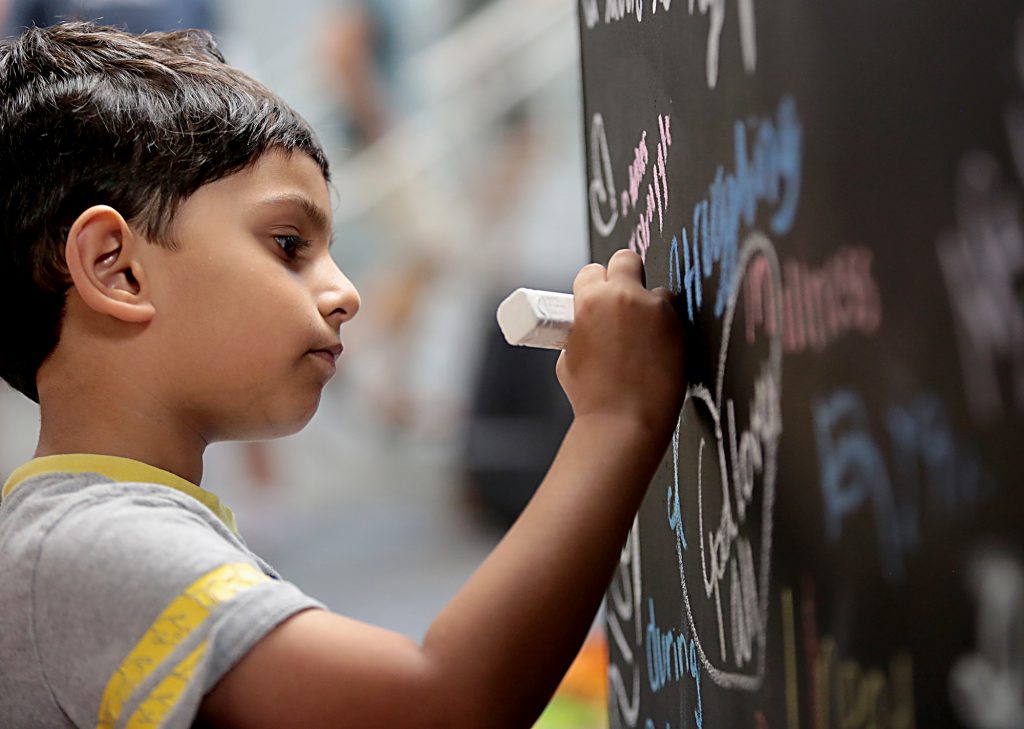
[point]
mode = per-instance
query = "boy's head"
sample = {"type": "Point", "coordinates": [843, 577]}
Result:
{"type": "Point", "coordinates": [153, 201]}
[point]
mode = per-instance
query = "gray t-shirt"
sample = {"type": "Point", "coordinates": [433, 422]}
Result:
{"type": "Point", "coordinates": [123, 602]}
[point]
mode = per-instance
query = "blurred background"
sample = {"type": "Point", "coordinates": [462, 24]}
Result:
{"type": "Point", "coordinates": [454, 132]}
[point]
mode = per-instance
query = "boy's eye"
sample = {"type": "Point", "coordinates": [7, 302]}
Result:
{"type": "Point", "coordinates": [292, 245]}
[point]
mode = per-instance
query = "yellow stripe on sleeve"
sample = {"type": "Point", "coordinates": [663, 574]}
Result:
{"type": "Point", "coordinates": [179, 619]}
{"type": "Point", "coordinates": [165, 695]}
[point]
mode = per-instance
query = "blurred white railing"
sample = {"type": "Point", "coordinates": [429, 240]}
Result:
{"type": "Point", "coordinates": [497, 58]}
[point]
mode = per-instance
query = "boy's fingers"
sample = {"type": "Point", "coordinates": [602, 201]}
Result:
{"type": "Point", "coordinates": [589, 274]}
{"type": "Point", "coordinates": [626, 263]}
{"type": "Point", "coordinates": [668, 294]}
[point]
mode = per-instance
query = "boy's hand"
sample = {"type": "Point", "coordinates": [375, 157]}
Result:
{"type": "Point", "coordinates": [625, 353]}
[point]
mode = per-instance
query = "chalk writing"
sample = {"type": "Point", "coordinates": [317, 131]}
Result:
{"type": "Point", "coordinates": [982, 261]}
{"type": "Point", "coordinates": [930, 471]}
{"type": "Point", "coordinates": [983, 265]}
{"type": "Point", "coordinates": [637, 171]}
{"type": "Point", "coordinates": [818, 304]}
{"type": "Point", "coordinates": [648, 724]}
{"type": "Point", "coordinates": [843, 693]}
{"type": "Point", "coordinates": [624, 611]}
{"type": "Point", "coordinates": [657, 188]}
{"type": "Point", "coordinates": [987, 686]}
{"type": "Point", "coordinates": [618, 10]}
{"type": "Point", "coordinates": [853, 471]}
{"type": "Point", "coordinates": [770, 175]}
{"type": "Point", "coordinates": [743, 458]}
{"type": "Point", "coordinates": [607, 207]}
{"type": "Point", "coordinates": [602, 182]}
{"type": "Point", "coordinates": [671, 657]}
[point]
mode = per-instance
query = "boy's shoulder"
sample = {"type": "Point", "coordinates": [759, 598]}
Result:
{"type": "Point", "coordinates": [93, 533]}
{"type": "Point", "coordinates": [119, 587]}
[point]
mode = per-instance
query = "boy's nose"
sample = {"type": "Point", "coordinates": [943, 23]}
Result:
{"type": "Point", "coordinates": [338, 299]}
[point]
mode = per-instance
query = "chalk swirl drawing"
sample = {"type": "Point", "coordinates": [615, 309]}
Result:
{"type": "Point", "coordinates": [723, 550]}
{"type": "Point", "coordinates": [624, 609]}
{"type": "Point", "coordinates": [602, 181]}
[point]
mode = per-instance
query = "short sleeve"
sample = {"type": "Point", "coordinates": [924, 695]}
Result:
{"type": "Point", "coordinates": [141, 603]}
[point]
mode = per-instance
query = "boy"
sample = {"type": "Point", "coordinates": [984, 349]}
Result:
{"type": "Point", "coordinates": [168, 284]}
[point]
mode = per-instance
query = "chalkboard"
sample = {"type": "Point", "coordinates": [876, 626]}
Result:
{"type": "Point", "coordinates": [834, 190]}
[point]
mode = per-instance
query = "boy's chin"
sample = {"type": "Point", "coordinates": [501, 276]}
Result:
{"type": "Point", "coordinates": [270, 425]}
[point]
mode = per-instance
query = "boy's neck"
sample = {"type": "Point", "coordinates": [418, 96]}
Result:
{"type": "Point", "coordinates": [120, 428]}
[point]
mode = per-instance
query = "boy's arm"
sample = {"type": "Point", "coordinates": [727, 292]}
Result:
{"type": "Point", "coordinates": [494, 655]}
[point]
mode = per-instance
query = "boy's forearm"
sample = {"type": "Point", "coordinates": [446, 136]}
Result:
{"type": "Point", "coordinates": [525, 611]}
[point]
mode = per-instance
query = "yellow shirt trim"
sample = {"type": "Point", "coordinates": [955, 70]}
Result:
{"type": "Point", "coordinates": [118, 469]}
{"type": "Point", "coordinates": [179, 619]}
{"type": "Point", "coordinates": [152, 712]}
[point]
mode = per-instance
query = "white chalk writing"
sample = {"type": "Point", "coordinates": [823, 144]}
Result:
{"type": "Point", "coordinates": [619, 10]}
{"type": "Point", "coordinates": [602, 181]}
{"type": "Point", "coordinates": [987, 686]}
{"type": "Point", "coordinates": [982, 260]}
{"type": "Point", "coordinates": [983, 265]}
{"type": "Point", "coordinates": [624, 613]}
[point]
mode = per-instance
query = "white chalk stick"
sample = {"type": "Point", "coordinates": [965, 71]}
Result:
{"type": "Point", "coordinates": [531, 318]}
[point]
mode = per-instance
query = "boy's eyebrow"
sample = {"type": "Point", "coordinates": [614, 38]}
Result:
{"type": "Point", "coordinates": [316, 215]}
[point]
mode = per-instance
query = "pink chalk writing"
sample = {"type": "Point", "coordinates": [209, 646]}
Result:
{"type": "Point", "coordinates": [637, 170]}
{"type": "Point", "coordinates": [656, 200]}
{"type": "Point", "coordinates": [818, 304]}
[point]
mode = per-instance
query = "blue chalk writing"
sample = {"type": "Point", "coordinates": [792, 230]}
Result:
{"type": "Point", "coordinates": [771, 175]}
{"type": "Point", "coordinates": [648, 724]}
{"type": "Point", "coordinates": [930, 471]}
{"type": "Point", "coordinates": [671, 657]}
{"type": "Point", "coordinates": [924, 451]}
{"type": "Point", "coordinates": [853, 471]}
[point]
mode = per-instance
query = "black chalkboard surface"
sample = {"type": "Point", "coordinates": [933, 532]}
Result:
{"type": "Point", "coordinates": [834, 189]}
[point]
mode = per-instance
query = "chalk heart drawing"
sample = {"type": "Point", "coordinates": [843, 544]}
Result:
{"type": "Point", "coordinates": [725, 464]}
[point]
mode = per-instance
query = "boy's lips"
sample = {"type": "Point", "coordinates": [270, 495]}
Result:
{"type": "Point", "coordinates": [334, 350]}
{"type": "Point", "coordinates": [329, 354]}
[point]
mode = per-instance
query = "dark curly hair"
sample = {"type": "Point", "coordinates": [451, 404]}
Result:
{"type": "Point", "coordinates": [94, 115]}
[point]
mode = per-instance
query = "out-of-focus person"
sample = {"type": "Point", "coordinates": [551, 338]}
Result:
{"type": "Point", "coordinates": [364, 46]}
{"type": "Point", "coordinates": [136, 16]}
{"type": "Point", "coordinates": [358, 50]}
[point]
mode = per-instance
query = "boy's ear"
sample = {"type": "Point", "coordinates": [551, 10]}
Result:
{"type": "Point", "coordinates": [103, 258]}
